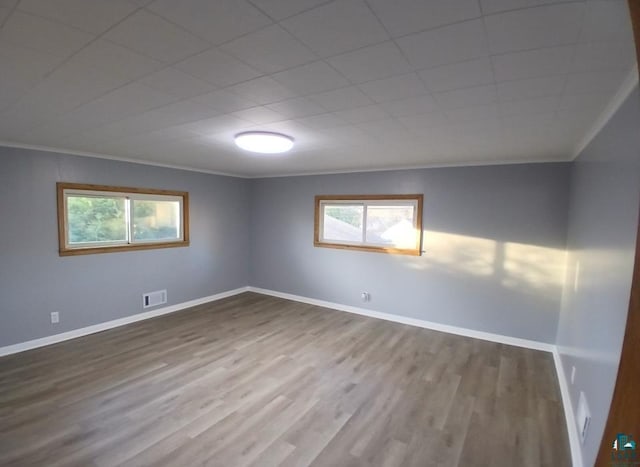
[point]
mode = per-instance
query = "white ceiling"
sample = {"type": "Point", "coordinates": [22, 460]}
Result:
{"type": "Point", "coordinates": [359, 84]}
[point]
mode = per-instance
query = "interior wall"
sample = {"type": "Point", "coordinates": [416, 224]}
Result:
{"type": "Point", "coordinates": [603, 222]}
{"type": "Point", "coordinates": [91, 289]}
{"type": "Point", "coordinates": [494, 238]}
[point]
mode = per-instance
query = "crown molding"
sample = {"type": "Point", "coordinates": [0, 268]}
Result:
{"type": "Point", "coordinates": [95, 155]}
{"type": "Point", "coordinates": [625, 89]}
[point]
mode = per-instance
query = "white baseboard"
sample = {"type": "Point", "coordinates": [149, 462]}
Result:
{"type": "Point", "coordinates": [572, 427]}
{"type": "Point", "coordinates": [33, 344]}
{"type": "Point", "coordinates": [487, 336]}
{"type": "Point", "coordinates": [515, 341]}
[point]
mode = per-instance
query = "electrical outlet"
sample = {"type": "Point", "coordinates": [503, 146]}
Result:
{"type": "Point", "coordinates": [573, 374]}
{"type": "Point", "coordinates": [55, 317]}
{"type": "Point", "coordinates": [365, 296]}
{"type": "Point", "coordinates": [583, 416]}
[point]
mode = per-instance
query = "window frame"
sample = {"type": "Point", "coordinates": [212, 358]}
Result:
{"type": "Point", "coordinates": [367, 200]}
{"type": "Point", "coordinates": [64, 188]}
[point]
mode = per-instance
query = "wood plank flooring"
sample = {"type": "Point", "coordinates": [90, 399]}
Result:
{"type": "Point", "coordinates": [259, 381]}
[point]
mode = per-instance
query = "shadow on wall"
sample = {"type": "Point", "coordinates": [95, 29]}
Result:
{"type": "Point", "coordinates": [525, 269]}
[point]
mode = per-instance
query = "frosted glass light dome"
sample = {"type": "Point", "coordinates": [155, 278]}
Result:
{"type": "Point", "coordinates": [264, 142]}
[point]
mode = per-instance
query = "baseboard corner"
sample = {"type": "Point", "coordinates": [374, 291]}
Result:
{"type": "Point", "coordinates": [570, 419]}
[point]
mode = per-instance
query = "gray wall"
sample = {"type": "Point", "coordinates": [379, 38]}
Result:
{"type": "Point", "coordinates": [603, 221]}
{"type": "Point", "coordinates": [91, 289]}
{"type": "Point", "coordinates": [494, 240]}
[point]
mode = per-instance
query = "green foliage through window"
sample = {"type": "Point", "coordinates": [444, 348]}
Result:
{"type": "Point", "coordinates": [96, 219]}
{"type": "Point", "coordinates": [93, 218]}
{"type": "Point", "coordinates": [156, 220]}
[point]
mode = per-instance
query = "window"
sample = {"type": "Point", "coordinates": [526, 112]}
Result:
{"type": "Point", "coordinates": [381, 223]}
{"type": "Point", "coordinates": [100, 219]}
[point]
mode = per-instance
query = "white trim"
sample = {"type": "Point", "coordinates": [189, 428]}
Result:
{"type": "Point", "coordinates": [487, 336]}
{"type": "Point", "coordinates": [95, 155]}
{"type": "Point", "coordinates": [572, 427]}
{"type": "Point", "coordinates": [609, 111]}
{"type": "Point", "coordinates": [33, 344]}
{"type": "Point", "coordinates": [625, 89]}
{"type": "Point", "coordinates": [440, 165]}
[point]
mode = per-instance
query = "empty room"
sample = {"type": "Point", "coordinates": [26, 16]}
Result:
{"type": "Point", "coordinates": [359, 233]}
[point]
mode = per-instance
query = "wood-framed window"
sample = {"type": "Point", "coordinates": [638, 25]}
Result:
{"type": "Point", "coordinates": [102, 219]}
{"type": "Point", "coordinates": [378, 223]}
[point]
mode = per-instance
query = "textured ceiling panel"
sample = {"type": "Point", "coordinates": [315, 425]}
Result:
{"type": "Point", "coordinates": [359, 84]}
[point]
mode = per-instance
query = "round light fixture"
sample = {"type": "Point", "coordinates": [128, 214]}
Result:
{"type": "Point", "coordinates": [264, 142]}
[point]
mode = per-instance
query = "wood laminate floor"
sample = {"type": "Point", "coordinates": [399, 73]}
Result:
{"type": "Point", "coordinates": [259, 381]}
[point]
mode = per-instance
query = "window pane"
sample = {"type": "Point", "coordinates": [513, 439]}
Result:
{"type": "Point", "coordinates": [155, 220]}
{"type": "Point", "coordinates": [96, 219]}
{"type": "Point", "coordinates": [342, 222]}
{"type": "Point", "coordinates": [391, 225]}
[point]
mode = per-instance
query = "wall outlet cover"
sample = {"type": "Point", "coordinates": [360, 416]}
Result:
{"type": "Point", "coordinates": [583, 416]}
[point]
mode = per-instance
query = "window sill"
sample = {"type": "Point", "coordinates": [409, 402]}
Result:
{"type": "Point", "coordinates": [120, 248]}
{"type": "Point", "coordinates": [374, 249]}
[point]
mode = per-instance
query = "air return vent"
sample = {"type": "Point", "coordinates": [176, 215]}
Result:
{"type": "Point", "coordinates": [156, 298]}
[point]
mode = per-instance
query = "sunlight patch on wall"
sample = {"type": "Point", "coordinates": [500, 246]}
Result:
{"type": "Point", "coordinates": [513, 265]}
{"type": "Point", "coordinates": [532, 266]}
{"type": "Point", "coordinates": [460, 253]}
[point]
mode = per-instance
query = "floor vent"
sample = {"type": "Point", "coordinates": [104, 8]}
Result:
{"type": "Point", "coordinates": [154, 298]}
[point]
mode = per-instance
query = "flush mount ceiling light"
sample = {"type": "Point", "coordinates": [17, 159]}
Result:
{"type": "Point", "coordinates": [264, 142]}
